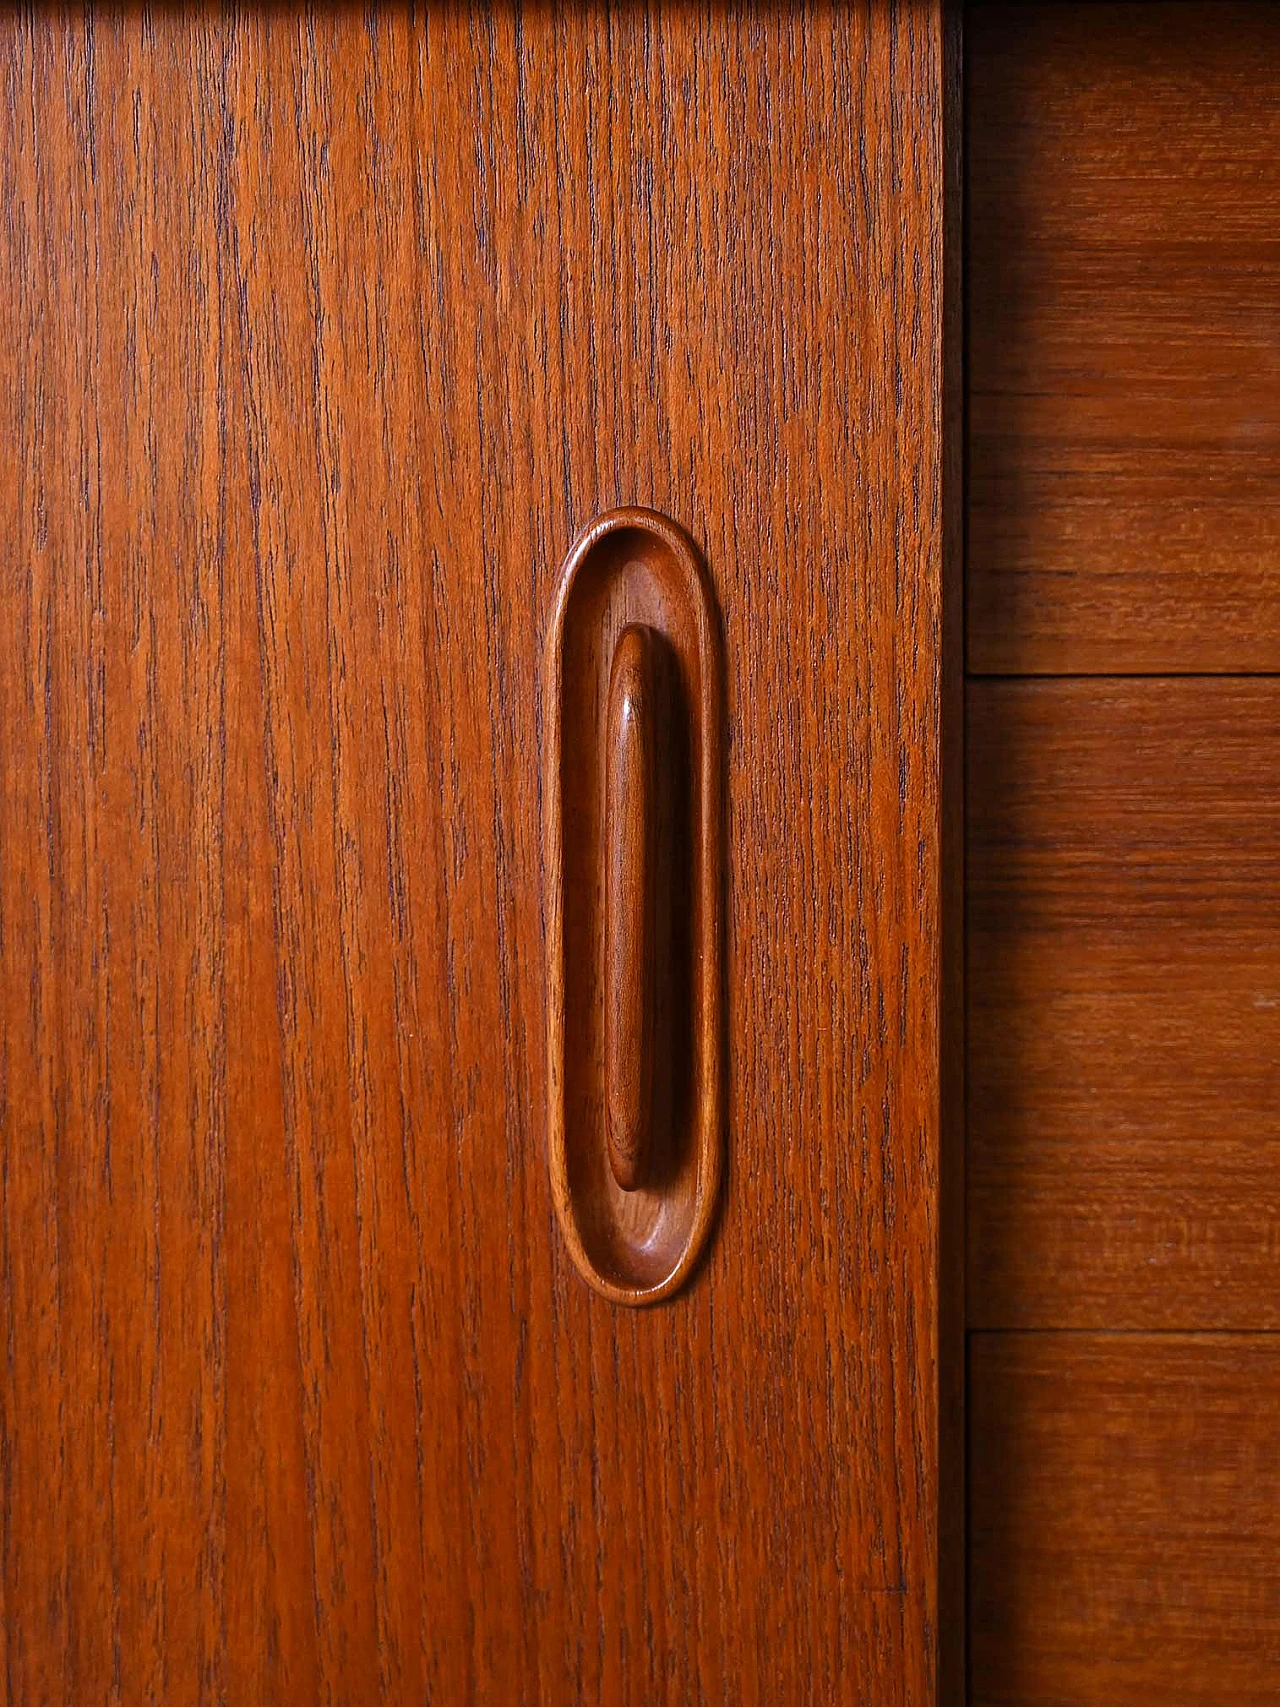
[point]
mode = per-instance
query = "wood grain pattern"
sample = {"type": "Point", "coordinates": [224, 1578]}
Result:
{"type": "Point", "coordinates": [1124, 337]}
{"type": "Point", "coordinates": [632, 571]}
{"type": "Point", "coordinates": [1124, 1003]}
{"type": "Point", "coordinates": [952, 1480]}
{"type": "Point", "coordinates": [321, 335]}
{"type": "Point", "coordinates": [1125, 1520]}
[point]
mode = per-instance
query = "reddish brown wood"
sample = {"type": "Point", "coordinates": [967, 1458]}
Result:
{"type": "Point", "coordinates": [634, 573]}
{"type": "Point", "coordinates": [319, 338]}
{"type": "Point", "coordinates": [1124, 337]}
{"type": "Point", "coordinates": [952, 1490]}
{"type": "Point", "coordinates": [1125, 1519]}
{"type": "Point", "coordinates": [1123, 945]}
{"type": "Point", "coordinates": [632, 806]}
{"type": "Point", "coordinates": [1124, 1004]}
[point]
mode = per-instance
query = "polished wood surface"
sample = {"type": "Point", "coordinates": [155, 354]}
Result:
{"type": "Point", "coordinates": [633, 573]}
{"type": "Point", "coordinates": [1123, 853]}
{"type": "Point", "coordinates": [1125, 1520]}
{"type": "Point", "coordinates": [1124, 337]}
{"type": "Point", "coordinates": [321, 338]}
{"type": "Point", "coordinates": [952, 1349]}
{"type": "Point", "coordinates": [634, 776]}
{"type": "Point", "coordinates": [1124, 1003]}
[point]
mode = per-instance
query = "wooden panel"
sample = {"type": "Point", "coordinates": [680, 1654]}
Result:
{"type": "Point", "coordinates": [952, 1348]}
{"type": "Point", "coordinates": [320, 339]}
{"type": "Point", "coordinates": [1124, 1003]}
{"type": "Point", "coordinates": [1124, 1520]}
{"type": "Point", "coordinates": [1124, 337]}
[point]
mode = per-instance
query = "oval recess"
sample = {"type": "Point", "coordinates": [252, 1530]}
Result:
{"type": "Point", "coordinates": [634, 568]}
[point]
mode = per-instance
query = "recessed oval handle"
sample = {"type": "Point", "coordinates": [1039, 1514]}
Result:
{"type": "Point", "coordinates": [632, 795]}
{"type": "Point", "coordinates": [631, 817]}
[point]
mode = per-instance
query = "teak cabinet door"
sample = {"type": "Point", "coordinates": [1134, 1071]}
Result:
{"type": "Point", "coordinates": [323, 334]}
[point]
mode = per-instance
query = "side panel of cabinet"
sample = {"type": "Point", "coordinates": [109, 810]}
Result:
{"type": "Point", "coordinates": [320, 337]}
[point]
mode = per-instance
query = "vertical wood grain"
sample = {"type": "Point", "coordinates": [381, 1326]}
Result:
{"type": "Point", "coordinates": [952, 1256]}
{"type": "Point", "coordinates": [321, 334]}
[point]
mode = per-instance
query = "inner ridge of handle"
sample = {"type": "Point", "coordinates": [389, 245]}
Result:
{"type": "Point", "coordinates": [631, 854]}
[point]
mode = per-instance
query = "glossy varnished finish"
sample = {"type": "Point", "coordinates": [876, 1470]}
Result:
{"type": "Point", "coordinates": [952, 1064]}
{"type": "Point", "coordinates": [1124, 1003]}
{"type": "Point", "coordinates": [634, 775]}
{"type": "Point", "coordinates": [321, 339]}
{"type": "Point", "coordinates": [1123, 955]}
{"type": "Point", "coordinates": [1125, 1520]}
{"type": "Point", "coordinates": [1124, 337]}
{"type": "Point", "coordinates": [633, 802]}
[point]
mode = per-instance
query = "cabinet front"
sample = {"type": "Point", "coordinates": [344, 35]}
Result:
{"type": "Point", "coordinates": [324, 335]}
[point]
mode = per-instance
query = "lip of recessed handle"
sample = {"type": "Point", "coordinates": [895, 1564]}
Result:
{"type": "Point", "coordinates": [631, 815]}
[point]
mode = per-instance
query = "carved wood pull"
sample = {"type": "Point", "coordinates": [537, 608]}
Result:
{"type": "Point", "coordinates": [631, 811]}
{"type": "Point", "coordinates": [632, 786]}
